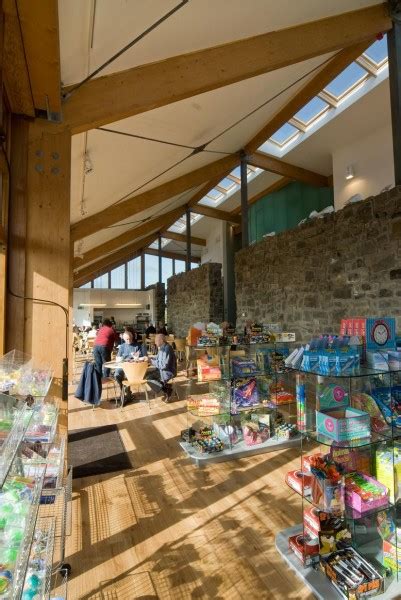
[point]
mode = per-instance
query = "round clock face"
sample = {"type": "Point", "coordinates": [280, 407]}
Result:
{"type": "Point", "coordinates": [380, 334]}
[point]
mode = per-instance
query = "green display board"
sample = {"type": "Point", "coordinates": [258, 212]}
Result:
{"type": "Point", "coordinates": [285, 208]}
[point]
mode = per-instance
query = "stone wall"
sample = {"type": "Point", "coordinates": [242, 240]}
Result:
{"type": "Point", "coordinates": [346, 264]}
{"type": "Point", "coordinates": [160, 302]}
{"type": "Point", "coordinates": [194, 296]}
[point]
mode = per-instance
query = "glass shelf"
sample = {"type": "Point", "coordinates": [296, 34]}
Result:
{"type": "Point", "coordinates": [37, 579]}
{"type": "Point", "coordinates": [361, 372]}
{"type": "Point", "coordinates": [374, 438]}
{"type": "Point", "coordinates": [14, 419]}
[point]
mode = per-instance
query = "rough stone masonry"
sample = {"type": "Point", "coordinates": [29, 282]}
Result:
{"type": "Point", "coordinates": [346, 264]}
{"type": "Point", "coordinates": [196, 295]}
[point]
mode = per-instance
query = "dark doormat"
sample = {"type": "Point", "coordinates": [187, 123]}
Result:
{"type": "Point", "coordinates": [97, 450]}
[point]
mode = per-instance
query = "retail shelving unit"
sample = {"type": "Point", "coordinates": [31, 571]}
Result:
{"type": "Point", "coordinates": [365, 502]}
{"type": "Point", "coordinates": [243, 412]}
{"type": "Point", "coordinates": [32, 465]}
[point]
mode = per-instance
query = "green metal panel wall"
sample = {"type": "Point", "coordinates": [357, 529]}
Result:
{"type": "Point", "coordinates": [285, 208]}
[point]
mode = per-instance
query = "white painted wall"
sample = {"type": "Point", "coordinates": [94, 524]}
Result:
{"type": "Point", "coordinates": [111, 298]}
{"type": "Point", "coordinates": [372, 159]}
{"type": "Point", "coordinates": [213, 252]}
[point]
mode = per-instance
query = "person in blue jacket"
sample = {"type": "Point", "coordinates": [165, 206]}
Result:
{"type": "Point", "coordinates": [165, 364]}
{"type": "Point", "coordinates": [130, 350]}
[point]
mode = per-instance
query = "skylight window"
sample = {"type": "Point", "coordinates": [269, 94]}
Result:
{"type": "Point", "coordinates": [214, 194]}
{"type": "Point", "coordinates": [227, 184]}
{"type": "Point", "coordinates": [181, 225]}
{"type": "Point", "coordinates": [311, 111]}
{"type": "Point", "coordinates": [346, 80]}
{"type": "Point", "coordinates": [283, 135]}
{"type": "Point", "coordinates": [377, 52]}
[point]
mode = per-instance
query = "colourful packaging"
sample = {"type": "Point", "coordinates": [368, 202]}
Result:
{"type": "Point", "coordinates": [343, 424]}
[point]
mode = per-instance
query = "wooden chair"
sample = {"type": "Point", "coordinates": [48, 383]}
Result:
{"type": "Point", "coordinates": [134, 373]}
{"type": "Point", "coordinates": [180, 344]}
{"type": "Point", "coordinates": [105, 382]}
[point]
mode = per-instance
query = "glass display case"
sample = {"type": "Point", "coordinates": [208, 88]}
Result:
{"type": "Point", "coordinates": [14, 419]}
{"type": "Point", "coordinates": [242, 407]}
{"type": "Point", "coordinates": [347, 543]}
{"type": "Point", "coordinates": [20, 376]}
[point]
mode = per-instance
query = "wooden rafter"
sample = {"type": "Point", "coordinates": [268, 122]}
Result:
{"type": "Point", "coordinates": [111, 261]}
{"type": "Point", "coordinates": [180, 237]}
{"type": "Point", "coordinates": [338, 63]}
{"type": "Point", "coordinates": [150, 198]}
{"type": "Point", "coordinates": [126, 93]}
{"type": "Point", "coordinates": [40, 34]}
{"type": "Point", "coordinates": [215, 213]}
{"type": "Point", "coordinates": [16, 75]}
{"type": "Point", "coordinates": [168, 254]}
{"type": "Point", "coordinates": [275, 165]}
{"type": "Point", "coordinates": [153, 225]}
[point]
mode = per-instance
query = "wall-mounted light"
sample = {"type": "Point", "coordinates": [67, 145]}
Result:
{"type": "Point", "coordinates": [130, 305]}
{"type": "Point", "coordinates": [349, 172]}
{"type": "Point", "coordinates": [95, 304]}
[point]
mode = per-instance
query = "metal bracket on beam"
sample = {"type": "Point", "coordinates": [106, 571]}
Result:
{"type": "Point", "coordinates": [395, 10]}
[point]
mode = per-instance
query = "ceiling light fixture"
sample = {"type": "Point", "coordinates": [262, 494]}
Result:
{"type": "Point", "coordinates": [349, 172]}
{"type": "Point", "coordinates": [95, 304]}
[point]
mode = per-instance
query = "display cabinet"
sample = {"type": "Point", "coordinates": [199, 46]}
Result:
{"type": "Point", "coordinates": [347, 543]}
{"type": "Point", "coordinates": [242, 408]}
{"type": "Point", "coordinates": [32, 464]}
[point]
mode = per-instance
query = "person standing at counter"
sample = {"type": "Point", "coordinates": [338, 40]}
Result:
{"type": "Point", "coordinates": [104, 343]}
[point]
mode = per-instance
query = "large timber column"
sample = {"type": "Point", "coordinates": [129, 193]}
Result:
{"type": "Point", "coordinates": [47, 247]}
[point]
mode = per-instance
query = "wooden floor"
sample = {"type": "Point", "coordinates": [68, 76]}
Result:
{"type": "Point", "coordinates": [168, 530]}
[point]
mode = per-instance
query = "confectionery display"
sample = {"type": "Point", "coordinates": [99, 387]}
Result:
{"type": "Point", "coordinates": [349, 477]}
{"type": "Point", "coordinates": [240, 408]}
{"type": "Point", "coordinates": [31, 475]}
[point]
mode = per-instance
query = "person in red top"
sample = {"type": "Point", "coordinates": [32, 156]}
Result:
{"type": "Point", "coordinates": [104, 343]}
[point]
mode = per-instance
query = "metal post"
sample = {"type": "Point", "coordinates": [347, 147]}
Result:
{"type": "Point", "coordinates": [159, 237]}
{"type": "Point", "coordinates": [188, 258]}
{"type": "Point", "coordinates": [142, 271]}
{"type": "Point", "coordinates": [244, 201]}
{"type": "Point", "coordinates": [394, 65]}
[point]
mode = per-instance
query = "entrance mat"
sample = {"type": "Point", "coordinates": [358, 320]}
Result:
{"type": "Point", "coordinates": [97, 450]}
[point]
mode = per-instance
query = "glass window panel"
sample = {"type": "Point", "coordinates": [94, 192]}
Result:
{"type": "Point", "coordinates": [311, 110]}
{"type": "Point", "coordinates": [194, 265]}
{"type": "Point", "coordinates": [102, 281]}
{"type": "Point", "coordinates": [167, 269]}
{"type": "Point", "coordinates": [86, 285]}
{"type": "Point", "coordinates": [345, 80]}
{"type": "Point", "coordinates": [118, 278]}
{"type": "Point", "coordinates": [378, 51]}
{"type": "Point", "coordinates": [151, 269]}
{"type": "Point", "coordinates": [214, 194]}
{"type": "Point", "coordinates": [227, 184]}
{"type": "Point", "coordinates": [134, 273]}
{"type": "Point", "coordinates": [236, 172]}
{"type": "Point", "coordinates": [284, 134]}
{"type": "Point", "coordinates": [179, 266]}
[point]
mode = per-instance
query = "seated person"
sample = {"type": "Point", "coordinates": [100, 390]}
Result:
{"type": "Point", "coordinates": [150, 329]}
{"type": "Point", "coordinates": [128, 351]}
{"type": "Point", "coordinates": [162, 329]}
{"type": "Point", "coordinates": [165, 364]}
{"type": "Point", "coordinates": [92, 333]}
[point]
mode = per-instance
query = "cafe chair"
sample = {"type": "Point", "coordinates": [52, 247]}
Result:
{"type": "Point", "coordinates": [134, 378]}
{"type": "Point", "coordinates": [180, 344]}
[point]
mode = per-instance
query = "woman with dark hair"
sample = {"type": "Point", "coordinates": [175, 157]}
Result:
{"type": "Point", "coordinates": [104, 343]}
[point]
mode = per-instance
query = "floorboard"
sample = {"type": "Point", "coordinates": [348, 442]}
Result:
{"type": "Point", "coordinates": [166, 529]}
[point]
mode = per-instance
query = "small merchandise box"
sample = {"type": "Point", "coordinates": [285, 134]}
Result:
{"type": "Point", "coordinates": [352, 575]}
{"type": "Point", "coordinates": [343, 424]}
{"type": "Point", "coordinates": [392, 556]}
{"type": "Point", "coordinates": [364, 493]}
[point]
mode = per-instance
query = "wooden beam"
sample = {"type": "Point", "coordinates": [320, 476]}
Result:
{"type": "Point", "coordinates": [40, 34]}
{"type": "Point", "coordinates": [275, 165]}
{"type": "Point", "coordinates": [154, 225]}
{"type": "Point", "coordinates": [126, 93]}
{"type": "Point", "coordinates": [167, 254]}
{"type": "Point", "coordinates": [115, 259]}
{"type": "Point", "coordinates": [180, 237]}
{"type": "Point", "coordinates": [140, 202]}
{"type": "Point", "coordinates": [274, 187]}
{"type": "Point", "coordinates": [16, 75]}
{"type": "Point", "coordinates": [215, 213]}
{"type": "Point", "coordinates": [338, 63]}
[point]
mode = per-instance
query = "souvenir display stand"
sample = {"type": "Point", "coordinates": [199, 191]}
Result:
{"type": "Point", "coordinates": [239, 404]}
{"type": "Point", "coordinates": [348, 542]}
{"type": "Point", "coordinates": [34, 494]}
